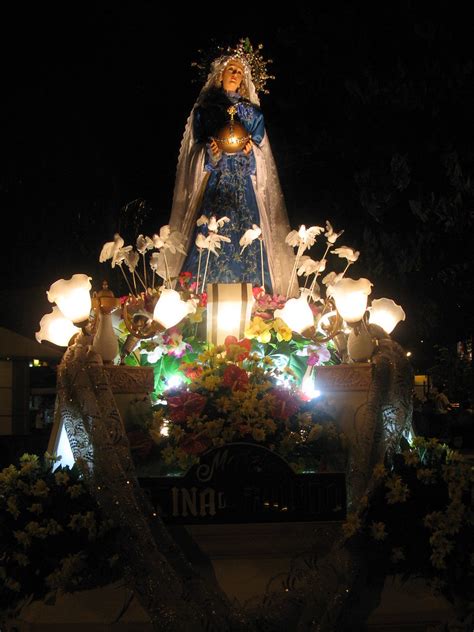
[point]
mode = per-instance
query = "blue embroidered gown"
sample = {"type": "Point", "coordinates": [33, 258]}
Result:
{"type": "Point", "coordinates": [229, 192]}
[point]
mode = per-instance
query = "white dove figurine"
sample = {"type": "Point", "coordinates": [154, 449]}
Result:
{"type": "Point", "coordinates": [110, 248]}
{"type": "Point", "coordinates": [309, 266]}
{"type": "Point", "coordinates": [160, 240]}
{"type": "Point", "coordinates": [249, 236]}
{"type": "Point", "coordinates": [144, 243]}
{"type": "Point", "coordinates": [214, 224]}
{"type": "Point", "coordinates": [202, 241]}
{"type": "Point", "coordinates": [346, 253]}
{"type": "Point", "coordinates": [331, 234]}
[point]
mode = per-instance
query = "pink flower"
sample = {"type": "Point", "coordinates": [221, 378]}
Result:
{"type": "Point", "coordinates": [318, 355]}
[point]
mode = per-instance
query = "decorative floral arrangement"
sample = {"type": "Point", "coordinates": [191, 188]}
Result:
{"type": "Point", "coordinates": [52, 535]}
{"type": "Point", "coordinates": [166, 351]}
{"type": "Point", "coordinates": [418, 520]}
{"type": "Point", "coordinates": [234, 395]}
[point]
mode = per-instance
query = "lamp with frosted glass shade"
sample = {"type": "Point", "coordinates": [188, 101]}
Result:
{"type": "Point", "coordinates": [386, 314]}
{"type": "Point", "coordinates": [55, 328]}
{"type": "Point", "coordinates": [297, 313]}
{"type": "Point", "coordinates": [73, 298]}
{"type": "Point", "coordinates": [350, 297]}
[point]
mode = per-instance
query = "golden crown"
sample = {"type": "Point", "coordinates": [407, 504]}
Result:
{"type": "Point", "coordinates": [249, 56]}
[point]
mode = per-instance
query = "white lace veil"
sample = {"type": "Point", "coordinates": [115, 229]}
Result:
{"type": "Point", "coordinates": [191, 181]}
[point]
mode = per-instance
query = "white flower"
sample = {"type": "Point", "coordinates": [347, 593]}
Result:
{"type": "Point", "coordinates": [155, 355]}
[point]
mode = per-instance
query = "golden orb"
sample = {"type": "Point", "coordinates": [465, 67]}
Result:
{"type": "Point", "coordinates": [232, 137]}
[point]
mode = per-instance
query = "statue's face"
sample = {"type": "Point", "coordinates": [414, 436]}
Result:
{"type": "Point", "coordinates": [232, 76]}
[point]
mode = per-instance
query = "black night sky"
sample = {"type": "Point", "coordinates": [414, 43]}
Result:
{"type": "Point", "coordinates": [369, 117]}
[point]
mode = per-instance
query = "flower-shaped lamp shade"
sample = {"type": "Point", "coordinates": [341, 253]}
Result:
{"type": "Point", "coordinates": [56, 328]}
{"type": "Point", "coordinates": [72, 296]}
{"type": "Point", "coordinates": [296, 314]}
{"type": "Point", "coordinates": [229, 309]}
{"type": "Point", "coordinates": [351, 298]}
{"type": "Point", "coordinates": [385, 313]}
{"type": "Point", "coordinates": [171, 309]}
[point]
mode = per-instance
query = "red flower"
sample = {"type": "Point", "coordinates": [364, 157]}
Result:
{"type": "Point", "coordinates": [284, 404]}
{"type": "Point", "coordinates": [194, 444]}
{"type": "Point", "coordinates": [192, 371]}
{"type": "Point", "coordinates": [236, 378]}
{"type": "Point", "coordinates": [185, 405]}
{"type": "Point", "coordinates": [237, 350]}
{"type": "Point", "coordinates": [184, 279]}
{"type": "Point", "coordinates": [203, 299]}
{"type": "Point", "coordinates": [258, 292]}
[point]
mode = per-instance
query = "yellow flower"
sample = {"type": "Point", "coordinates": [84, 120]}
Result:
{"type": "Point", "coordinates": [21, 558]}
{"type": "Point", "coordinates": [8, 476]}
{"type": "Point", "coordinates": [196, 317]}
{"type": "Point", "coordinates": [12, 507]}
{"type": "Point", "coordinates": [40, 488]}
{"type": "Point", "coordinates": [398, 492]}
{"type": "Point", "coordinates": [258, 434]}
{"type": "Point", "coordinates": [62, 478]}
{"type": "Point", "coordinates": [168, 455]}
{"type": "Point", "coordinates": [351, 525]}
{"type": "Point", "coordinates": [411, 457]}
{"type": "Point", "coordinates": [379, 471]}
{"type": "Point", "coordinates": [377, 531]}
{"type": "Point", "coordinates": [259, 329]}
{"type": "Point", "coordinates": [283, 332]}
{"type": "Point", "coordinates": [52, 527]}
{"type": "Point", "coordinates": [364, 502]}
{"type": "Point", "coordinates": [75, 490]}
{"type": "Point", "coordinates": [83, 521]}
{"type": "Point", "coordinates": [12, 585]}
{"type": "Point", "coordinates": [397, 555]}
{"type": "Point", "coordinates": [211, 382]}
{"type": "Point", "coordinates": [425, 475]}
{"type": "Point", "coordinates": [22, 538]}
{"type": "Point", "coordinates": [36, 508]}
{"type": "Point", "coordinates": [437, 559]}
{"type": "Point", "coordinates": [36, 530]}
{"type": "Point", "coordinates": [315, 433]}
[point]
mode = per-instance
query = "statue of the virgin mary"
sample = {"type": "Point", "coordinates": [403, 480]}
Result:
{"type": "Point", "coordinates": [214, 180]}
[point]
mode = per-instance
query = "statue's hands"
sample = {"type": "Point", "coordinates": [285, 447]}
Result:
{"type": "Point", "coordinates": [248, 148]}
{"type": "Point", "coordinates": [214, 147]}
